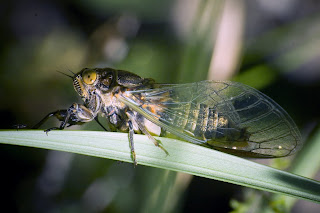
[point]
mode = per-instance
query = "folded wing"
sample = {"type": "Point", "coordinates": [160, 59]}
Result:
{"type": "Point", "coordinates": [227, 116]}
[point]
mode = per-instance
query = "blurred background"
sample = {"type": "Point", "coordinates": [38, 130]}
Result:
{"type": "Point", "coordinates": [271, 45]}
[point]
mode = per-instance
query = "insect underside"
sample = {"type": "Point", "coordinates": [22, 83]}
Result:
{"type": "Point", "coordinates": [222, 115]}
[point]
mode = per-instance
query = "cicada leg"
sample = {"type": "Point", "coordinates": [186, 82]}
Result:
{"type": "Point", "coordinates": [133, 153]}
{"type": "Point", "coordinates": [145, 132]}
{"type": "Point", "coordinates": [19, 126]}
{"type": "Point", "coordinates": [60, 114]}
{"type": "Point", "coordinates": [107, 128]}
{"type": "Point", "coordinates": [77, 114]}
{"type": "Point", "coordinates": [155, 141]}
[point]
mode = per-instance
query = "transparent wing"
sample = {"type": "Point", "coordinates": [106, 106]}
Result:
{"type": "Point", "coordinates": [227, 116]}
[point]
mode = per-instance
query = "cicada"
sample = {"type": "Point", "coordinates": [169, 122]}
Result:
{"type": "Point", "coordinates": [222, 115]}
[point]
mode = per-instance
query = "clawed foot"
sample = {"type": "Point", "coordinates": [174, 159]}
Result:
{"type": "Point", "coordinates": [48, 130]}
{"type": "Point", "coordinates": [19, 126]}
{"type": "Point", "coordinates": [133, 155]}
{"type": "Point", "coordinates": [159, 144]}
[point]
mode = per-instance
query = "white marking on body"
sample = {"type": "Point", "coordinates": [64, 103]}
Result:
{"type": "Point", "coordinates": [152, 128]}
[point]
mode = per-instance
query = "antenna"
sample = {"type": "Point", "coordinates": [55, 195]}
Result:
{"type": "Point", "coordinates": [65, 74]}
{"type": "Point", "coordinates": [71, 72]}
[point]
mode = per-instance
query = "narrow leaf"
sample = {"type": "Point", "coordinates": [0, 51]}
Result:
{"type": "Point", "coordinates": [183, 157]}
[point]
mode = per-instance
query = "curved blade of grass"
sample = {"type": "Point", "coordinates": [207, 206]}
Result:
{"type": "Point", "coordinates": [183, 157]}
{"type": "Point", "coordinates": [306, 163]}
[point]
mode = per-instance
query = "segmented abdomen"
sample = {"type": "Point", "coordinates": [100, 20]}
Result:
{"type": "Point", "coordinates": [204, 122]}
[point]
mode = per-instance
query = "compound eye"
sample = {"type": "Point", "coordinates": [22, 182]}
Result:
{"type": "Point", "coordinates": [89, 76]}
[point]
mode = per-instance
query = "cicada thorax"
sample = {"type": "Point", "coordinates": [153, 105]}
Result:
{"type": "Point", "coordinates": [109, 86]}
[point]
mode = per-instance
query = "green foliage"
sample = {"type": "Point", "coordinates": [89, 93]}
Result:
{"type": "Point", "coordinates": [183, 157]}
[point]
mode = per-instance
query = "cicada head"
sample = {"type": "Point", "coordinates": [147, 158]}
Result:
{"type": "Point", "coordinates": [89, 80]}
{"type": "Point", "coordinates": [85, 81]}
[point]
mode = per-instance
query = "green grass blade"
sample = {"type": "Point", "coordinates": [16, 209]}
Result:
{"type": "Point", "coordinates": [184, 157]}
{"type": "Point", "coordinates": [306, 163]}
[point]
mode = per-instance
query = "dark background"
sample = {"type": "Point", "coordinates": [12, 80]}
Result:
{"type": "Point", "coordinates": [170, 41]}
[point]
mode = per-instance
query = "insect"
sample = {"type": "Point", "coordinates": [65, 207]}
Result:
{"type": "Point", "coordinates": [222, 115]}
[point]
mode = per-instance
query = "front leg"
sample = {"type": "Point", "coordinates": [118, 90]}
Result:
{"type": "Point", "coordinates": [76, 114]}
